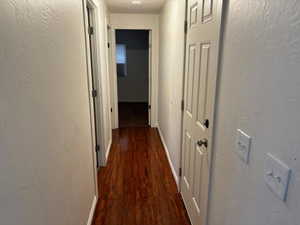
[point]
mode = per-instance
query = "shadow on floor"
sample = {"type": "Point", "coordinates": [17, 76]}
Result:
{"type": "Point", "coordinates": [133, 114]}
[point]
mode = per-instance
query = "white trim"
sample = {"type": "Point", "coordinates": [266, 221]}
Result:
{"type": "Point", "coordinates": [150, 75]}
{"type": "Point", "coordinates": [100, 75]}
{"type": "Point", "coordinates": [99, 78]}
{"type": "Point", "coordinates": [91, 105]}
{"type": "Point", "coordinates": [168, 156]}
{"type": "Point", "coordinates": [114, 81]}
{"type": "Point", "coordinates": [92, 211]}
{"type": "Point", "coordinates": [108, 151]}
{"type": "Point", "coordinates": [137, 22]}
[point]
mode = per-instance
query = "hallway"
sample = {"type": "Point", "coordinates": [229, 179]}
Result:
{"type": "Point", "coordinates": [149, 112]}
{"type": "Point", "coordinates": [137, 186]}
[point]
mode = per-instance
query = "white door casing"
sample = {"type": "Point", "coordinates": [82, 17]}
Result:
{"type": "Point", "coordinates": [150, 77]}
{"type": "Point", "coordinates": [152, 93]}
{"type": "Point", "coordinates": [202, 53]}
{"type": "Point", "coordinates": [113, 80]}
{"type": "Point", "coordinates": [141, 22]}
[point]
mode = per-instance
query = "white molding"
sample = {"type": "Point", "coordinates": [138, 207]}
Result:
{"type": "Point", "coordinates": [97, 12]}
{"type": "Point", "coordinates": [113, 80]}
{"type": "Point", "coordinates": [168, 156]}
{"type": "Point", "coordinates": [92, 211]}
{"type": "Point", "coordinates": [108, 151]}
{"type": "Point", "coordinates": [137, 22]}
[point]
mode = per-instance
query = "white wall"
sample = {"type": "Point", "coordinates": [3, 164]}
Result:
{"type": "Point", "coordinates": [259, 93]}
{"type": "Point", "coordinates": [171, 77]}
{"type": "Point", "coordinates": [46, 165]}
{"type": "Point", "coordinates": [142, 22]}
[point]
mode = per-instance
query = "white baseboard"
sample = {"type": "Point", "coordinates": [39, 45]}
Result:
{"type": "Point", "coordinates": [92, 211]}
{"type": "Point", "coordinates": [108, 151]}
{"type": "Point", "coordinates": [168, 155]}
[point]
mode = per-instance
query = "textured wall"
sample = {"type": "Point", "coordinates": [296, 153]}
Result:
{"type": "Point", "coordinates": [46, 168]}
{"type": "Point", "coordinates": [171, 76]}
{"type": "Point", "coordinates": [259, 93]}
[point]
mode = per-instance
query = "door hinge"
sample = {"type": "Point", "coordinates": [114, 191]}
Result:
{"type": "Point", "coordinates": [97, 148]}
{"type": "Point", "coordinates": [180, 172]}
{"type": "Point", "coordinates": [111, 109]}
{"type": "Point", "coordinates": [91, 30]}
{"type": "Point", "coordinates": [108, 27]}
{"type": "Point", "coordinates": [94, 93]}
{"type": "Point", "coordinates": [108, 44]}
{"type": "Point", "coordinates": [185, 26]}
{"type": "Point", "coordinates": [149, 106]}
{"type": "Point", "coordinates": [182, 105]}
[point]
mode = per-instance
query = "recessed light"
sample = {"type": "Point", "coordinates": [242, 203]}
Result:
{"type": "Point", "coordinates": [136, 2]}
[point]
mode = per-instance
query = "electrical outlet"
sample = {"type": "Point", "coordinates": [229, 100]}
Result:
{"type": "Point", "coordinates": [277, 176]}
{"type": "Point", "coordinates": [243, 145]}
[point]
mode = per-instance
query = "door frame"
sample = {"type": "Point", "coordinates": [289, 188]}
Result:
{"type": "Point", "coordinates": [93, 5]}
{"type": "Point", "coordinates": [114, 85]}
{"type": "Point", "coordinates": [183, 96]}
{"type": "Point", "coordinates": [215, 102]}
{"type": "Point", "coordinates": [150, 50]}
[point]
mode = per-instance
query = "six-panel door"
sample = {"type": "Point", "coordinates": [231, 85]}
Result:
{"type": "Point", "coordinates": [204, 19]}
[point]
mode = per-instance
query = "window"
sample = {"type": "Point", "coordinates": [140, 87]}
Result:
{"type": "Point", "coordinates": [121, 60]}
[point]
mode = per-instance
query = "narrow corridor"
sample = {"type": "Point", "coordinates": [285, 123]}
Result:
{"type": "Point", "coordinates": [137, 186]}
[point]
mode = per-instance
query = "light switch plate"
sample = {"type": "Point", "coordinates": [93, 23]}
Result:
{"type": "Point", "coordinates": [277, 176]}
{"type": "Point", "coordinates": [243, 145]}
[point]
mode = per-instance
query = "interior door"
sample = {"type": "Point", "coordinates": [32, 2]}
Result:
{"type": "Point", "coordinates": [91, 47]}
{"type": "Point", "coordinates": [202, 50]}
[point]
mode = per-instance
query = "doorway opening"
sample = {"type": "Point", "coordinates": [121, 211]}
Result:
{"type": "Point", "coordinates": [133, 83]}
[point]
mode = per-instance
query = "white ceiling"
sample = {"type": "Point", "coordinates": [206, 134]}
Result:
{"type": "Point", "coordinates": [126, 6]}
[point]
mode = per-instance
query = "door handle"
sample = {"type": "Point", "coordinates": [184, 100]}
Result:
{"type": "Point", "coordinates": [206, 123]}
{"type": "Point", "coordinates": [203, 142]}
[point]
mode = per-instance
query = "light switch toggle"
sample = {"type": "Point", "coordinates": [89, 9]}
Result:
{"type": "Point", "coordinates": [277, 176]}
{"type": "Point", "coordinates": [243, 145]}
{"type": "Point", "coordinates": [271, 174]}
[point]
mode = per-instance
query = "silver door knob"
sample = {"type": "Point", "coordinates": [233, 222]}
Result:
{"type": "Point", "coordinates": [203, 142]}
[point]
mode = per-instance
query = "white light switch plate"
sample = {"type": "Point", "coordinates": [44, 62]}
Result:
{"type": "Point", "coordinates": [277, 176]}
{"type": "Point", "coordinates": [243, 145]}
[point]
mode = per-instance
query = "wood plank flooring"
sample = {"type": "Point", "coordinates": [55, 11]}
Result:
{"type": "Point", "coordinates": [137, 186]}
{"type": "Point", "coordinates": [133, 114]}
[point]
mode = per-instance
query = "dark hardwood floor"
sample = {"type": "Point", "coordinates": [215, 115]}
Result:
{"type": "Point", "coordinates": [137, 186]}
{"type": "Point", "coordinates": [133, 114]}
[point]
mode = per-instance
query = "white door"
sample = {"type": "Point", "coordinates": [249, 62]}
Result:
{"type": "Point", "coordinates": [91, 46]}
{"type": "Point", "coordinates": [202, 51]}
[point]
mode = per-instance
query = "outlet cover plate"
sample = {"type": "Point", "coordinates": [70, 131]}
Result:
{"type": "Point", "coordinates": [243, 145]}
{"type": "Point", "coordinates": [277, 176]}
